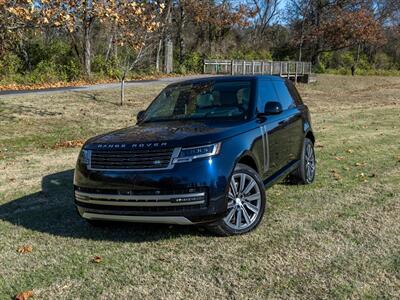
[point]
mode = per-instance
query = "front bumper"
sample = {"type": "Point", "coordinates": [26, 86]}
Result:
{"type": "Point", "coordinates": [178, 220]}
{"type": "Point", "coordinates": [189, 193]}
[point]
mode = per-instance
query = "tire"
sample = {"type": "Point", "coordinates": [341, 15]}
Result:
{"type": "Point", "coordinates": [305, 174]}
{"type": "Point", "coordinates": [246, 203]}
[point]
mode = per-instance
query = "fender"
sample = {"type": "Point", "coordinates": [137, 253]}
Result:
{"type": "Point", "coordinates": [308, 131]}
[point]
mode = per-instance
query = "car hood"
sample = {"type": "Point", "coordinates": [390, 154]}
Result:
{"type": "Point", "coordinates": [169, 134]}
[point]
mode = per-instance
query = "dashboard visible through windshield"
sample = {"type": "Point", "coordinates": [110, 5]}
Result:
{"type": "Point", "coordinates": [209, 99]}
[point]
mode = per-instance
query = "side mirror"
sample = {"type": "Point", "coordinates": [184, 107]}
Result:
{"type": "Point", "coordinates": [140, 116]}
{"type": "Point", "coordinates": [273, 108]}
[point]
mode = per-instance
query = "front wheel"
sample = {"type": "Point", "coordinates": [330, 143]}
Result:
{"type": "Point", "coordinates": [246, 203]}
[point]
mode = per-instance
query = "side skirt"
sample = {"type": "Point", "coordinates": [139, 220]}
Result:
{"type": "Point", "coordinates": [282, 173]}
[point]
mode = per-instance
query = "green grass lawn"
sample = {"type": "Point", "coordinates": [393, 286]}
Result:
{"type": "Point", "coordinates": [337, 238]}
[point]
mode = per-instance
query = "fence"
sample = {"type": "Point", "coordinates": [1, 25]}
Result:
{"type": "Point", "coordinates": [287, 69]}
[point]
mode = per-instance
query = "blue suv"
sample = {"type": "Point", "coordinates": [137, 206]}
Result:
{"type": "Point", "coordinates": [203, 152]}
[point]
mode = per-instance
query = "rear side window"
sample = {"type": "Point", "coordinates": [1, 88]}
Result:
{"type": "Point", "coordinates": [267, 93]}
{"type": "Point", "coordinates": [284, 96]}
{"type": "Point", "coordinates": [295, 94]}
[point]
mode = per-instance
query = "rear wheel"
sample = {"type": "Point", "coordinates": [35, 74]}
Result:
{"type": "Point", "coordinates": [246, 203]}
{"type": "Point", "coordinates": [305, 174]}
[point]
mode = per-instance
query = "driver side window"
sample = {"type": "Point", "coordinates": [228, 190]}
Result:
{"type": "Point", "coordinates": [284, 96]}
{"type": "Point", "coordinates": [266, 93]}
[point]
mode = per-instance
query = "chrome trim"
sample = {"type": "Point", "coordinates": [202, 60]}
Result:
{"type": "Point", "coordinates": [267, 145]}
{"type": "Point", "coordinates": [139, 200]}
{"type": "Point", "coordinates": [139, 219]}
{"type": "Point", "coordinates": [174, 155]}
{"type": "Point", "coordinates": [265, 142]}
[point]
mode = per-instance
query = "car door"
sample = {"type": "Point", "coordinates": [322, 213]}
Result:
{"type": "Point", "coordinates": [291, 125]}
{"type": "Point", "coordinates": [271, 128]}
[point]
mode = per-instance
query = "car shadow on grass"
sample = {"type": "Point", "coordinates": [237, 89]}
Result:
{"type": "Point", "coordinates": [52, 211]}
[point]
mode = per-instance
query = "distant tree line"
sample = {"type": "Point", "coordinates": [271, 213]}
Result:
{"type": "Point", "coordinates": [66, 40]}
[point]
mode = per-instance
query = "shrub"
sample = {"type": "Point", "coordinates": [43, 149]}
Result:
{"type": "Point", "coordinates": [47, 71]}
{"type": "Point", "coordinates": [251, 55]}
{"type": "Point", "coordinates": [72, 70]}
{"type": "Point", "coordinates": [105, 68]}
{"type": "Point", "coordinates": [319, 67]}
{"type": "Point", "coordinates": [10, 65]}
{"type": "Point", "coordinates": [193, 62]}
{"type": "Point", "coordinates": [382, 61]}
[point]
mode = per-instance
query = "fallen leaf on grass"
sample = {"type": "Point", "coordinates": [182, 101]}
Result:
{"type": "Point", "coordinates": [24, 295]}
{"type": "Point", "coordinates": [339, 157]}
{"type": "Point", "coordinates": [25, 249]}
{"type": "Point", "coordinates": [349, 150]}
{"type": "Point", "coordinates": [335, 174]}
{"type": "Point", "coordinates": [96, 259]}
{"type": "Point", "coordinates": [68, 144]}
{"type": "Point", "coordinates": [319, 146]}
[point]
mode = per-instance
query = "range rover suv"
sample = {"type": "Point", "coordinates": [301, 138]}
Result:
{"type": "Point", "coordinates": [203, 152]}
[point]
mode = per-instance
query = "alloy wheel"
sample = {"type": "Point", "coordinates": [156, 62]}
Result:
{"type": "Point", "coordinates": [244, 202]}
{"type": "Point", "coordinates": [310, 163]}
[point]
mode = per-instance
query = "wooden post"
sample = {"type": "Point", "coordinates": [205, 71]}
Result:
{"type": "Point", "coordinates": [295, 73]}
{"type": "Point", "coordinates": [272, 67]}
{"type": "Point", "coordinates": [244, 67]}
{"type": "Point", "coordinates": [262, 68]}
{"type": "Point", "coordinates": [232, 67]}
{"type": "Point", "coordinates": [252, 67]}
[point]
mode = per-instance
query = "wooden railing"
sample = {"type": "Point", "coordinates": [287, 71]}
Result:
{"type": "Point", "coordinates": [257, 67]}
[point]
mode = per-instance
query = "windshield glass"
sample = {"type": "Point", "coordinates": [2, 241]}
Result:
{"type": "Point", "coordinates": [202, 100]}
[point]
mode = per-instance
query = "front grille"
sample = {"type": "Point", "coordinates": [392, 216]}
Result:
{"type": "Point", "coordinates": [131, 159]}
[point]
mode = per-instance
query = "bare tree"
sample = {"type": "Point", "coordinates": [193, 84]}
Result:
{"type": "Point", "coordinates": [266, 12]}
{"type": "Point", "coordinates": [128, 60]}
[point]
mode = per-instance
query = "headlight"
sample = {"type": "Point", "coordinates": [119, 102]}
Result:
{"type": "Point", "coordinates": [85, 156]}
{"type": "Point", "coordinates": [188, 154]}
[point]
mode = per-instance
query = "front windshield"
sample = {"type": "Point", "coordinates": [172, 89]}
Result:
{"type": "Point", "coordinates": [201, 100]}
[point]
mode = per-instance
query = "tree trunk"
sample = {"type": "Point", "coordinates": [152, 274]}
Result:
{"type": "Point", "coordinates": [25, 55]}
{"type": "Point", "coordinates": [168, 51]}
{"type": "Point", "coordinates": [179, 35]}
{"type": "Point", "coordinates": [87, 51]}
{"type": "Point", "coordinates": [87, 26]}
{"type": "Point", "coordinates": [158, 57]}
{"type": "Point", "coordinates": [358, 53]}
{"type": "Point", "coordinates": [122, 91]}
{"type": "Point", "coordinates": [168, 64]}
{"type": "Point", "coordinates": [110, 44]}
